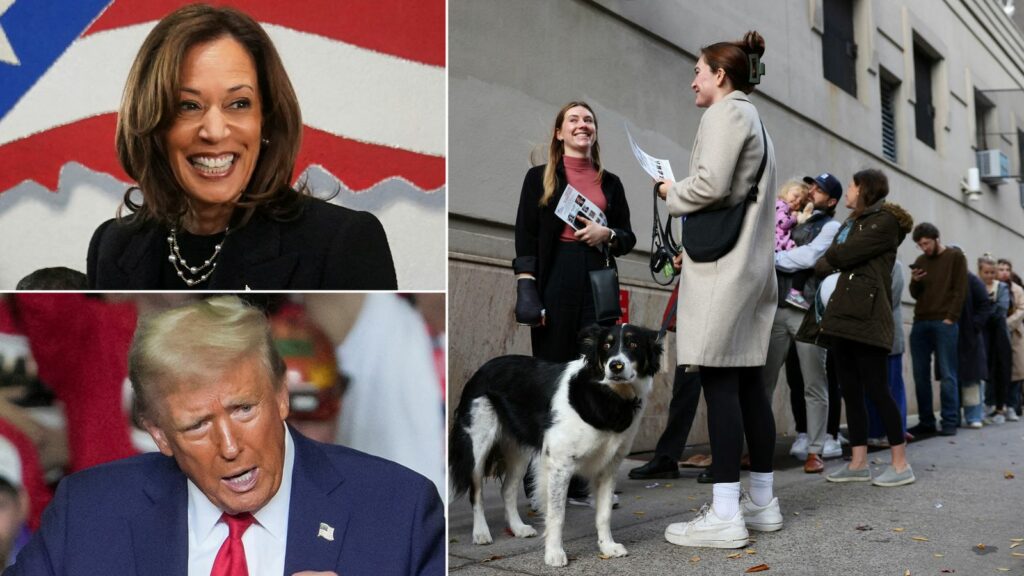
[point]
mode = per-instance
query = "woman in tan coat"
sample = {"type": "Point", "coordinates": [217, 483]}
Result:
{"type": "Point", "coordinates": [726, 306]}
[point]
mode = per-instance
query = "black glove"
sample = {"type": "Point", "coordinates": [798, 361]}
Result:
{"type": "Point", "coordinates": [528, 304]}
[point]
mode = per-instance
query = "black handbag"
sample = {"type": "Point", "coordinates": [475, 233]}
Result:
{"type": "Point", "coordinates": [604, 284]}
{"type": "Point", "coordinates": [709, 234]}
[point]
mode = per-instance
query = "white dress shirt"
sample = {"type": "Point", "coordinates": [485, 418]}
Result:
{"type": "Point", "coordinates": [265, 541]}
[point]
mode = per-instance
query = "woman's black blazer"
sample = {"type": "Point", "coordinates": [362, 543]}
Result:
{"type": "Point", "coordinates": [327, 247]}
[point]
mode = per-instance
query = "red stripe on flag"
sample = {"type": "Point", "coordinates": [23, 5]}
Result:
{"type": "Point", "coordinates": [90, 142]}
{"type": "Point", "coordinates": [410, 29]}
{"type": "Point", "coordinates": [360, 165]}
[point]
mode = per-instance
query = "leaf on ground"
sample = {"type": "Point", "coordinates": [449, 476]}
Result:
{"type": "Point", "coordinates": [897, 529]}
{"type": "Point", "coordinates": [456, 541]}
{"type": "Point", "coordinates": [694, 558]}
{"type": "Point", "coordinates": [1003, 569]}
{"type": "Point", "coordinates": [668, 485]}
{"type": "Point", "coordinates": [938, 555]}
{"type": "Point", "coordinates": [639, 513]}
{"type": "Point", "coordinates": [1014, 545]}
{"type": "Point", "coordinates": [758, 568]}
{"type": "Point", "coordinates": [1008, 475]}
{"type": "Point", "coordinates": [947, 571]}
{"type": "Point", "coordinates": [1017, 554]}
{"type": "Point", "coordinates": [796, 513]}
{"type": "Point", "coordinates": [980, 546]}
{"type": "Point", "coordinates": [919, 538]}
{"type": "Point", "coordinates": [907, 573]}
{"type": "Point", "coordinates": [1017, 540]}
{"type": "Point", "coordinates": [750, 551]}
{"type": "Point", "coordinates": [691, 497]}
{"type": "Point", "coordinates": [863, 528]}
{"type": "Point", "coordinates": [734, 555]}
{"type": "Point", "coordinates": [493, 558]}
{"type": "Point", "coordinates": [603, 556]}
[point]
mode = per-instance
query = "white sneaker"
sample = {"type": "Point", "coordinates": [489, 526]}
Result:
{"type": "Point", "coordinates": [709, 531]}
{"type": "Point", "coordinates": [799, 449]}
{"type": "Point", "coordinates": [832, 448]}
{"type": "Point", "coordinates": [995, 418]}
{"type": "Point", "coordinates": [842, 439]}
{"type": "Point", "coordinates": [976, 424]}
{"type": "Point", "coordinates": [767, 518]}
{"type": "Point", "coordinates": [1011, 415]}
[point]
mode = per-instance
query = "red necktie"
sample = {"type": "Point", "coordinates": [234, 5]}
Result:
{"type": "Point", "coordinates": [230, 559]}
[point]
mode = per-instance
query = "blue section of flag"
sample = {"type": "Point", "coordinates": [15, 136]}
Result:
{"type": "Point", "coordinates": [39, 31]}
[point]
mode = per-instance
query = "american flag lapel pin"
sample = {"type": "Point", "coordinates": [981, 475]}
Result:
{"type": "Point", "coordinates": [326, 532]}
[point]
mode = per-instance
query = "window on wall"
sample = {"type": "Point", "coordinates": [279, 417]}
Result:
{"type": "Point", "coordinates": [983, 112]}
{"type": "Point", "coordinates": [889, 87]}
{"type": "Point", "coordinates": [839, 51]}
{"type": "Point", "coordinates": [924, 110]}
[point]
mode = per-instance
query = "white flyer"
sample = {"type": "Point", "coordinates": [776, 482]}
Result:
{"type": "Point", "coordinates": [658, 168]}
{"type": "Point", "coordinates": [574, 204]}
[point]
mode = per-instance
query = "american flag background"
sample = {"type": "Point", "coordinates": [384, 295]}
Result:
{"type": "Point", "coordinates": [369, 76]}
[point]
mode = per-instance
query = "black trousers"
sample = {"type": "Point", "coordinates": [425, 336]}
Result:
{"type": "Point", "coordinates": [569, 304]}
{"type": "Point", "coordinates": [835, 404]}
{"type": "Point", "coordinates": [795, 379]}
{"type": "Point", "coordinates": [1000, 362]}
{"type": "Point", "coordinates": [864, 368]}
{"type": "Point", "coordinates": [568, 301]}
{"type": "Point", "coordinates": [682, 409]}
{"type": "Point", "coordinates": [738, 406]}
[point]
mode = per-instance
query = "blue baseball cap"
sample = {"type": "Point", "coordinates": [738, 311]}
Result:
{"type": "Point", "coordinates": [828, 183]}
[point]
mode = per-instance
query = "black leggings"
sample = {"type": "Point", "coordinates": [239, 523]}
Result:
{"type": "Point", "coordinates": [859, 367]}
{"type": "Point", "coordinates": [732, 393]}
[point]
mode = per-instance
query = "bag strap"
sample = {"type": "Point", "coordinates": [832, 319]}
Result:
{"type": "Point", "coordinates": [670, 312]}
{"type": "Point", "coordinates": [752, 193]}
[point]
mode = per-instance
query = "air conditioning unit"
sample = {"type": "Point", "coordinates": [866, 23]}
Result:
{"type": "Point", "coordinates": [993, 165]}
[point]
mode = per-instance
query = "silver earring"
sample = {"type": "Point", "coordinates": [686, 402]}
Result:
{"type": "Point", "coordinates": [265, 141]}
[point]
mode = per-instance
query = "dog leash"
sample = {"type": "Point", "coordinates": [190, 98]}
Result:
{"type": "Point", "coordinates": [663, 246]}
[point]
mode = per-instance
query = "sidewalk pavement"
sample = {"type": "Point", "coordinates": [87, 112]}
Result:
{"type": "Point", "coordinates": [960, 517]}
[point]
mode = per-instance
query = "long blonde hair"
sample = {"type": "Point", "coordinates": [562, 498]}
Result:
{"type": "Point", "coordinates": [556, 151]}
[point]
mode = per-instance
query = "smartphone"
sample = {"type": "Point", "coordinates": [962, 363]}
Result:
{"type": "Point", "coordinates": [915, 267]}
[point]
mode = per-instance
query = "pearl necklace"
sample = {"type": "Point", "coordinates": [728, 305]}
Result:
{"type": "Point", "coordinates": [182, 267]}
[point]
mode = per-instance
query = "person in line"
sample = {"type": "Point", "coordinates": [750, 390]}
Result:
{"type": "Point", "coordinates": [1015, 322]}
{"type": "Point", "coordinates": [730, 302]}
{"type": "Point", "coordinates": [855, 321]}
{"type": "Point", "coordinates": [794, 267]}
{"type": "Point", "coordinates": [972, 350]}
{"type": "Point", "coordinates": [938, 284]}
{"type": "Point", "coordinates": [553, 293]}
{"type": "Point", "coordinates": [997, 341]}
{"type": "Point", "coordinates": [233, 487]}
{"type": "Point", "coordinates": [209, 127]}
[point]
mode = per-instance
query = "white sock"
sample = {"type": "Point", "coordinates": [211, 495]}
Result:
{"type": "Point", "coordinates": [761, 487]}
{"type": "Point", "coordinates": [726, 499]}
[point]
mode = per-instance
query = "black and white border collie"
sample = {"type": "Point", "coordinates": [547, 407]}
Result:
{"type": "Point", "coordinates": [576, 418]}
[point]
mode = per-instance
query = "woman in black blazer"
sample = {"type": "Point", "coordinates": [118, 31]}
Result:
{"type": "Point", "coordinates": [209, 127]}
{"type": "Point", "coordinates": [553, 289]}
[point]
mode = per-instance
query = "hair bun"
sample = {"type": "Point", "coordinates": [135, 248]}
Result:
{"type": "Point", "coordinates": [753, 43]}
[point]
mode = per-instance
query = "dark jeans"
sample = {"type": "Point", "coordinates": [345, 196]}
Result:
{"type": "Point", "coordinates": [682, 409]}
{"type": "Point", "coordinates": [929, 337]}
{"type": "Point", "coordinates": [738, 406]}
{"type": "Point", "coordinates": [795, 379]}
{"type": "Point", "coordinates": [899, 395]}
{"type": "Point", "coordinates": [835, 403]}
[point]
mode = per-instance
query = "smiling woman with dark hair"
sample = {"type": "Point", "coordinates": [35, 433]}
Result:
{"type": "Point", "coordinates": [210, 128]}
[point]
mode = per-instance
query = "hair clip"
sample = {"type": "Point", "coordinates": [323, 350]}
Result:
{"type": "Point", "coordinates": [756, 68]}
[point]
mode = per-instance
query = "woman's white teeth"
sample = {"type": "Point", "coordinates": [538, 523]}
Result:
{"type": "Point", "coordinates": [213, 164]}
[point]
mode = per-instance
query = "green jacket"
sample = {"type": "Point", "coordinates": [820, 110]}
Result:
{"type": "Point", "coordinates": [860, 308]}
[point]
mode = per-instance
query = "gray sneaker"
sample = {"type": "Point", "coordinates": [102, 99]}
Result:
{"type": "Point", "coordinates": [844, 474]}
{"type": "Point", "coordinates": [890, 477]}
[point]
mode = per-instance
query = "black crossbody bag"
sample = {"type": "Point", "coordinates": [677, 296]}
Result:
{"type": "Point", "coordinates": [709, 234]}
{"type": "Point", "coordinates": [604, 284]}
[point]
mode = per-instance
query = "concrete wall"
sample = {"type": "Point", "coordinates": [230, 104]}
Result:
{"type": "Point", "coordinates": [513, 64]}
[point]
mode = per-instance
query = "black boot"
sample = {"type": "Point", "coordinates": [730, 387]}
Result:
{"type": "Point", "coordinates": [705, 477]}
{"type": "Point", "coordinates": [659, 467]}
